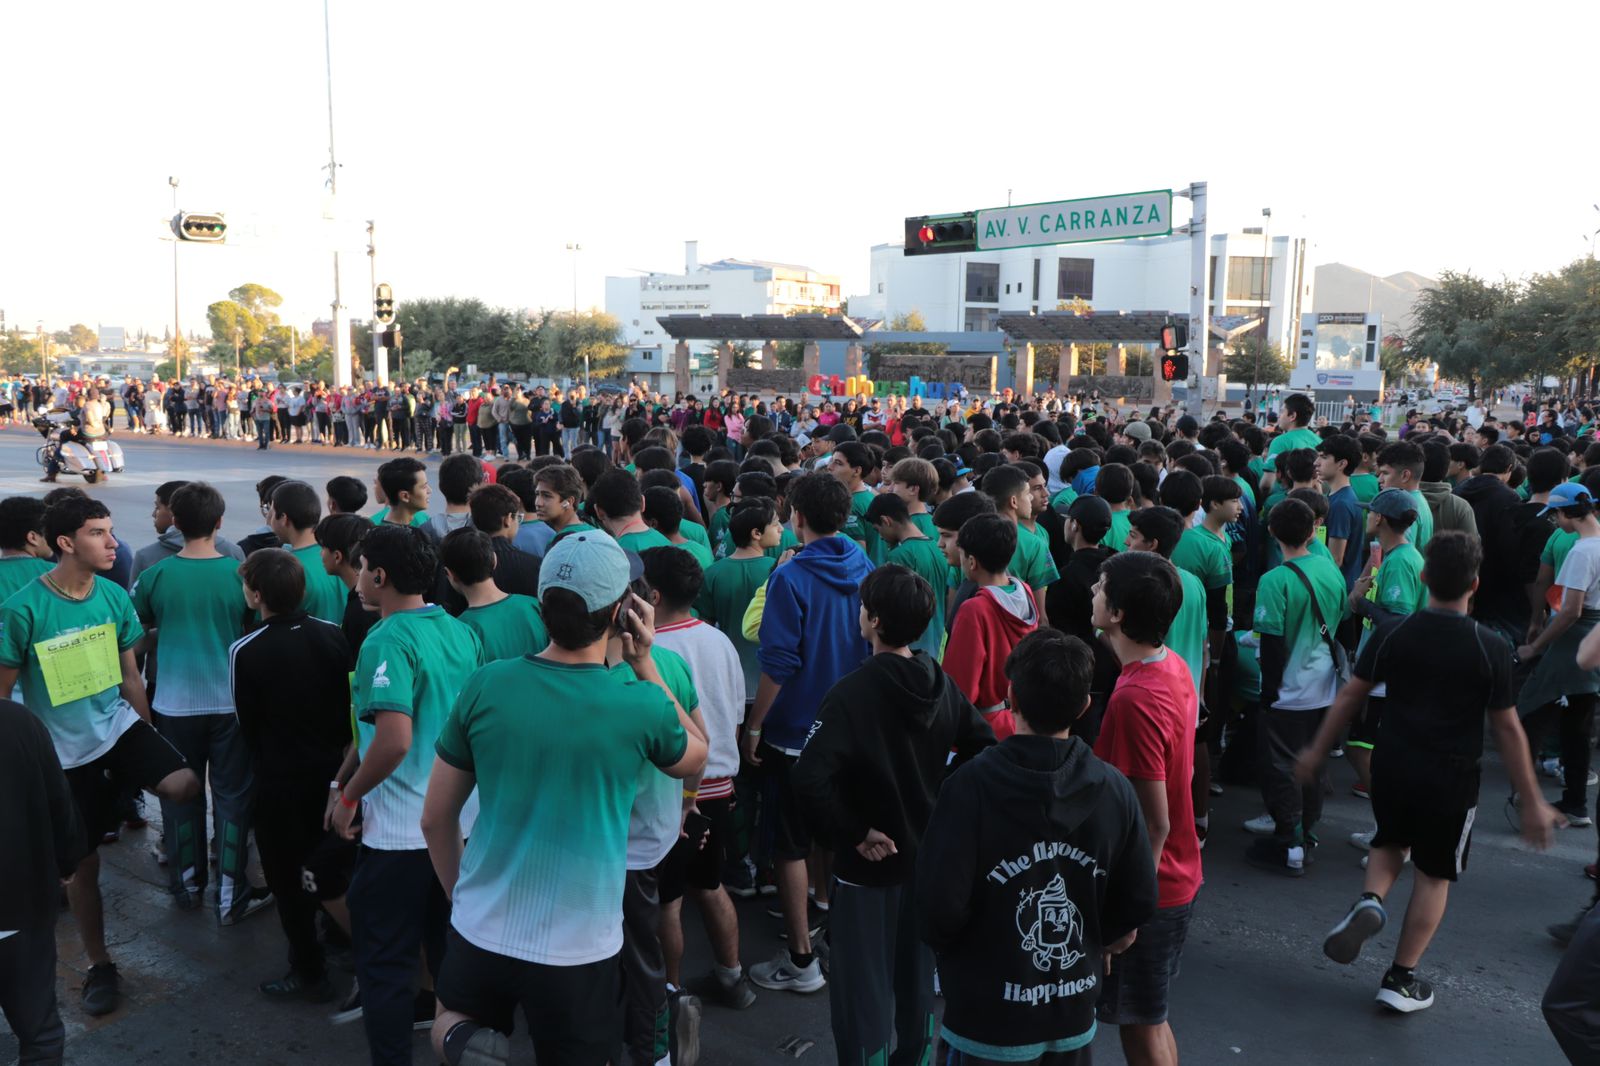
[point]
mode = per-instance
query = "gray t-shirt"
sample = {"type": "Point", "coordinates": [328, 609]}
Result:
{"type": "Point", "coordinates": [1581, 570]}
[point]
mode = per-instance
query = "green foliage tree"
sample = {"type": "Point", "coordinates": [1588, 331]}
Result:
{"type": "Point", "coordinates": [80, 338]}
{"type": "Point", "coordinates": [19, 353]}
{"type": "Point", "coordinates": [593, 335]}
{"type": "Point", "coordinates": [1252, 358]}
{"type": "Point", "coordinates": [909, 322]}
{"type": "Point", "coordinates": [458, 331]}
{"type": "Point", "coordinates": [1460, 325]}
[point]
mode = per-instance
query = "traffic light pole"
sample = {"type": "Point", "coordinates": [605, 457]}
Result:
{"type": "Point", "coordinates": [1199, 281]}
{"type": "Point", "coordinates": [380, 354]}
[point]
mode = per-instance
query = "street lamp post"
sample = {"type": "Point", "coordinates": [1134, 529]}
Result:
{"type": "Point", "coordinates": [238, 368]}
{"type": "Point", "coordinates": [43, 358]}
{"type": "Point", "coordinates": [588, 386]}
{"type": "Point", "coordinates": [1266, 297]}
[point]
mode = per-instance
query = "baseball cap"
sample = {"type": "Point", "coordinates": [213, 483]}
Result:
{"type": "Point", "coordinates": [962, 468]}
{"type": "Point", "coordinates": [1392, 503]}
{"type": "Point", "coordinates": [1565, 495]}
{"type": "Point", "coordinates": [589, 563]}
{"type": "Point", "coordinates": [1137, 430]}
{"type": "Point", "coordinates": [1090, 511]}
{"type": "Point", "coordinates": [841, 433]}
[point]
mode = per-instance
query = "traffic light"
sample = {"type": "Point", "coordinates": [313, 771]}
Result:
{"type": "Point", "coordinates": [1174, 366]}
{"type": "Point", "coordinates": [187, 226]}
{"type": "Point", "coordinates": [390, 338]}
{"type": "Point", "coordinates": [941, 234]}
{"type": "Point", "coordinates": [1175, 336]}
{"type": "Point", "coordinates": [383, 305]}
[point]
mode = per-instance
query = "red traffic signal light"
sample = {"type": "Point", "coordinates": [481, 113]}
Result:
{"type": "Point", "coordinates": [925, 234]}
{"type": "Point", "coordinates": [940, 234]}
{"type": "Point", "coordinates": [1174, 367]}
{"type": "Point", "coordinates": [1174, 336]}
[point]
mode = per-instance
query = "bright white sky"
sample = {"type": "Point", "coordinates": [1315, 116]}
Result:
{"type": "Point", "coordinates": [485, 136]}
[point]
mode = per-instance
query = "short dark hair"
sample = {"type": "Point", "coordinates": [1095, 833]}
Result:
{"type": "Point", "coordinates": [563, 480]}
{"type": "Point", "coordinates": [757, 483]}
{"type": "Point", "coordinates": [1148, 592]}
{"type": "Point", "coordinates": [919, 474]}
{"type": "Point", "coordinates": [343, 533]}
{"type": "Point", "coordinates": [663, 509]}
{"type": "Point", "coordinates": [1298, 464]}
{"type": "Point", "coordinates": [267, 485]}
{"type": "Point", "coordinates": [697, 440]}
{"type": "Point", "coordinates": [1215, 489]}
{"type": "Point", "coordinates": [165, 490]}
{"type": "Point", "coordinates": [399, 475]}
{"type": "Point", "coordinates": [458, 474]}
{"type": "Point", "coordinates": [520, 480]}
{"type": "Point", "coordinates": [1450, 564]}
{"type": "Point", "coordinates": [666, 479]}
{"type": "Point", "coordinates": [1024, 443]}
{"type": "Point", "coordinates": [347, 493]}
{"type": "Point", "coordinates": [1467, 455]}
{"type": "Point", "coordinates": [1160, 524]}
{"type": "Point", "coordinates": [723, 473]}
{"type": "Point", "coordinates": [1004, 482]}
{"type": "Point", "coordinates": [955, 512]}
{"type": "Point", "coordinates": [19, 516]}
{"type": "Point", "coordinates": [901, 600]}
{"type": "Point", "coordinates": [673, 573]}
{"type": "Point", "coordinates": [824, 502]}
{"type": "Point", "coordinates": [299, 503]}
{"type": "Point", "coordinates": [1497, 459]}
{"type": "Point", "coordinates": [1547, 468]}
{"type": "Point", "coordinates": [1301, 406]}
{"type": "Point", "coordinates": [990, 540]}
{"type": "Point", "coordinates": [856, 455]}
{"type": "Point", "coordinates": [1181, 492]}
{"type": "Point", "coordinates": [748, 518]}
{"type": "Point", "coordinates": [1314, 499]}
{"type": "Point", "coordinates": [404, 554]}
{"type": "Point", "coordinates": [66, 516]}
{"type": "Point", "coordinates": [468, 553]}
{"type": "Point", "coordinates": [197, 509]}
{"type": "Point", "coordinates": [590, 463]}
{"type": "Point", "coordinates": [617, 493]}
{"type": "Point", "coordinates": [277, 576]}
{"type": "Point", "coordinates": [1051, 674]}
{"type": "Point", "coordinates": [1114, 483]}
{"type": "Point", "coordinates": [1402, 455]}
{"type": "Point", "coordinates": [1342, 449]}
{"type": "Point", "coordinates": [1291, 522]}
{"type": "Point", "coordinates": [886, 505]}
{"type": "Point", "coordinates": [654, 457]}
{"type": "Point", "coordinates": [570, 622]}
{"type": "Point", "coordinates": [491, 505]}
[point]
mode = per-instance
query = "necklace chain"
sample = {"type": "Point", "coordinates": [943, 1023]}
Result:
{"type": "Point", "coordinates": [64, 592]}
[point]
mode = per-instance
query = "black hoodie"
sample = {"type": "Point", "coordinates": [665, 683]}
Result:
{"type": "Point", "coordinates": [1036, 857]}
{"type": "Point", "coordinates": [876, 756]}
{"type": "Point", "coordinates": [1513, 534]}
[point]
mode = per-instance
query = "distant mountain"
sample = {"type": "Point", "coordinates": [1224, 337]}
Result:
{"type": "Point", "coordinates": [1347, 288]}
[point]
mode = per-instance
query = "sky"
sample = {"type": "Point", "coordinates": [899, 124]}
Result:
{"type": "Point", "coordinates": [483, 138]}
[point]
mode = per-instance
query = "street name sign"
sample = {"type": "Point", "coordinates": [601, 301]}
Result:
{"type": "Point", "coordinates": [1093, 218]}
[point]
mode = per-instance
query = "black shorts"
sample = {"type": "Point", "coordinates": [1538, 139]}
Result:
{"type": "Point", "coordinates": [780, 808]}
{"type": "Point", "coordinates": [574, 1013]}
{"type": "Point", "coordinates": [325, 873]}
{"type": "Point", "coordinates": [1438, 834]}
{"type": "Point", "coordinates": [141, 758]}
{"type": "Point", "coordinates": [1136, 991]}
{"type": "Point", "coordinates": [687, 866]}
{"type": "Point", "coordinates": [1364, 729]}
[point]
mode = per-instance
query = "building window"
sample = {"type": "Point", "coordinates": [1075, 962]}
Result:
{"type": "Point", "coordinates": [1036, 281]}
{"type": "Point", "coordinates": [1248, 278]}
{"type": "Point", "coordinates": [980, 320]}
{"type": "Point", "coordinates": [880, 288]}
{"type": "Point", "coordinates": [1075, 279]}
{"type": "Point", "coordinates": [983, 283]}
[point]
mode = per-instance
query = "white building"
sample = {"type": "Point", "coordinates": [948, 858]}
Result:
{"type": "Point", "coordinates": [968, 290]}
{"type": "Point", "coordinates": [725, 287]}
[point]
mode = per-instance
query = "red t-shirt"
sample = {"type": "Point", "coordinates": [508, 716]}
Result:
{"type": "Point", "coordinates": [1148, 734]}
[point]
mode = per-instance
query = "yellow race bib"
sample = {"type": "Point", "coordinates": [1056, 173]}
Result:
{"type": "Point", "coordinates": [79, 665]}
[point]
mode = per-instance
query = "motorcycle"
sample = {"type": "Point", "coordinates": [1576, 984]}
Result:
{"type": "Point", "coordinates": [95, 460]}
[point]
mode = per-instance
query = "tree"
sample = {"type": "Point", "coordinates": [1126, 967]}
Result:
{"type": "Point", "coordinates": [1242, 358]}
{"type": "Point", "coordinates": [19, 353]}
{"type": "Point", "coordinates": [593, 335]}
{"type": "Point", "coordinates": [909, 322]}
{"type": "Point", "coordinates": [1459, 325]}
{"type": "Point", "coordinates": [1398, 360]}
{"type": "Point", "coordinates": [460, 331]}
{"type": "Point", "coordinates": [80, 338]}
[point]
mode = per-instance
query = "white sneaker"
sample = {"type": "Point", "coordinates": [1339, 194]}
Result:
{"type": "Point", "coordinates": [782, 975]}
{"type": "Point", "coordinates": [1550, 767]}
{"type": "Point", "coordinates": [1261, 826]}
{"type": "Point", "coordinates": [1363, 840]}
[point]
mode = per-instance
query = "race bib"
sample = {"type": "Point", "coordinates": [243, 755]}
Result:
{"type": "Point", "coordinates": [79, 665]}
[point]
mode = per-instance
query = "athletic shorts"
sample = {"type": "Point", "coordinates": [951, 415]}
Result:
{"type": "Point", "coordinates": [1364, 729]}
{"type": "Point", "coordinates": [141, 758]}
{"type": "Point", "coordinates": [1439, 837]}
{"type": "Point", "coordinates": [326, 872]}
{"type": "Point", "coordinates": [791, 840]}
{"type": "Point", "coordinates": [687, 866]}
{"type": "Point", "coordinates": [1136, 990]}
{"type": "Point", "coordinates": [574, 1013]}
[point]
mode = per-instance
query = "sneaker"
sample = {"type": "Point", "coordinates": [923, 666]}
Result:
{"type": "Point", "coordinates": [712, 989]}
{"type": "Point", "coordinates": [294, 986]}
{"type": "Point", "coordinates": [350, 1009]}
{"type": "Point", "coordinates": [1200, 832]}
{"type": "Point", "coordinates": [1270, 855]}
{"type": "Point", "coordinates": [1363, 840]}
{"type": "Point", "coordinates": [1577, 816]}
{"type": "Point", "coordinates": [782, 975]}
{"type": "Point", "coordinates": [685, 1012]}
{"type": "Point", "coordinates": [1405, 997]}
{"type": "Point", "coordinates": [486, 1047]}
{"type": "Point", "coordinates": [1337, 753]}
{"type": "Point", "coordinates": [739, 878]}
{"type": "Point", "coordinates": [1216, 789]}
{"type": "Point", "coordinates": [101, 991]}
{"type": "Point", "coordinates": [1563, 932]}
{"type": "Point", "coordinates": [256, 900]}
{"type": "Point", "coordinates": [1360, 791]}
{"type": "Point", "coordinates": [1550, 768]}
{"type": "Point", "coordinates": [1365, 921]}
{"type": "Point", "coordinates": [423, 1010]}
{"type": "Point", "coordinates": [1261, 825]}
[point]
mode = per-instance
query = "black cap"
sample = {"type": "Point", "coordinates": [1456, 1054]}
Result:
{"type": "Point", "coordinates": [841, 432]}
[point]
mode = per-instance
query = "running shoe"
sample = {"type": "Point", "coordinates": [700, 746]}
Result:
{"type": "Point", "coordinates": [1405, 996]}
{"type": "Point", "coordinates": [1271, 855]}
{"type": "Point", "coordinates": [1365, 921]}
{"type": "Point", "coordinates": [1337, 752]}
{"type": "Point", "coordinates": [1261, 825]}
{"type": "Point", "coordinates": [1577, 816]}
{"type": "Point", "coordinates": [712, 989]}
{"type": "Point", "coordinates": [101, 990]}
{"type": "Point", "coordinates": [1216, 789]}
{"type": "Point", "coordinates": [350, 1009]}
{"type": "Point", "coordinates": [294, 986]}
{"type": "Point", "coordinates": [486, 1047]}
{"type": "Point", "coordinates": [780, 974]}
{"type": "Point", "coordinates": [1360, 791]}
{"type": "Point", "coordinates": [684, 1010]}
{"type": "Point", "coordinates": [1363, 840]}
{"type": "Point", "coordinates": [255, 901]}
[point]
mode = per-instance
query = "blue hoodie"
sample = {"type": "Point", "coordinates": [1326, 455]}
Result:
{"type": "Point", "coordinates": [811, 633]}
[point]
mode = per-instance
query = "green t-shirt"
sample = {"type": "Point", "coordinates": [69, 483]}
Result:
{"type": "Point", "coordinates": [1205, 555]}
{"type": "Point", "coordinates": [695, 533]}
{"type": "Point", "coordinates": [413, 663]}
{"type": "Point", "coordinates": [644, 540]}
{"type": "Point", "coordinates": [1552, 555]}
{"type": "Point", "coordinates": [658, 803]}
{"type": "Point", "coordinates": [555, 789]}
{"type": "Point", "coordinates": [1187, 634]}
{"type": "Point", "coordinates": [1063, 499]}
{"type": "Point", "coordinates": [1031, 562]}
{"type": "Point", "coordinates": [83, 725]}
{"type": "Point", "coordinates": [717, 532]}
{"type": "Point", "coordinates": [790, 539]}
{"type": "Point", "coordinates": [1244, 487]}
{"type": "Point", "coordinates": [198, 608]}
{"type": "Point", "coordinates": [701, 553]}
{"type": "Point", "coordinates": [325, 594]}
{"type": "Point", "coordinates": [924, 522]}
{"type": "Point", "coordinates": [418, 519]}
{"type": "Point", "coordinates": [1116, 537]}
{"type": "Point", "coordinates": [514, 626]}
{"type": "Point", "coordinates": [1398, 586]}
{"type": "Point", "coordinates": [858, 529]}
{"type": "Point", "coordinates": [17, 570]}
{"type": "Point", "coordinates": [1283, 609]}
{"type": "Point", "coordinates": [922, 556]}
{"type": "Point", "coordinates": [1421, 530]}
{"type": "Point", "coordinates": [729, 587]}
{"type": "Point", "coordinates": [1295, 438]}
{"type": "Point", "coordinates": [1365, 486]}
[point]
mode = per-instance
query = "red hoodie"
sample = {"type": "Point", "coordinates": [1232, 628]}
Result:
{"type": "Point", "coordinates": [987, 626]}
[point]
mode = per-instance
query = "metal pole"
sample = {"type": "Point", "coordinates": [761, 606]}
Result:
{"type": "Point", "coordinates": [177, 331]}
{"type": "Point", "coordinates": [43, 373]}
{"type": "Point", "coordinates": [380, 358]}
{"type": "Point", "coordinates": [292, 353]}
{"type": "Point", "coordinates": [1199, 282]}
{"type": "Point", "coordinates": [588, 386]}
{"type": "Point", "coordinates": [1266, 298]}
{"type": "Point", "coordinates": [342, 369]}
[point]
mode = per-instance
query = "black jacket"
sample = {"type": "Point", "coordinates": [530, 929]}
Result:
{"type": "Point", "coordinates": [515, 571]}
{"type": "Point", "coordinates": [1036, 857]}
{"type": "Point", "coordinates": [876, 756]}
{"type": "Point", "coordinates": [291, 685]}
{"type": "Point", "coordinates": [40, 834]}
{"type": "Point", "coordinates": [1513, 535]}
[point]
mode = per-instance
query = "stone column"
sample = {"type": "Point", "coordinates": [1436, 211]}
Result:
{"type": "Point", "coordinates": [1024, 375]}
{"type": "Point", "coordinates": [811, 361]}
{"type": "Point", "coordinates": [680, 367]}
{"type": "Point", "coordinates": [1068, 367]}
{"type": "Point", "coordinates": [1118, 360]}
{"type": "Point", "coordinates": [852, 361]}
{"type": "Point", "coordinates": [769, 356]}
{"type": "Point", "coordinates": [724, 363]}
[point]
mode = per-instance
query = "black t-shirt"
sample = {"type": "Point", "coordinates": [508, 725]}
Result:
{"type": "Point", "coordinates": [1444, 673]}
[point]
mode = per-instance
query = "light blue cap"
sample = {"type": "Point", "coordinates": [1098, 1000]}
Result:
{"type": "Point", "coordinates": [589, 563]}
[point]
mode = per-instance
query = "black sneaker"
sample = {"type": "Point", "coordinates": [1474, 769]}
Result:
{"type": "Point", "coordinates": [101, 991]}
{"type": "Point", "coordinates": [1365, 920]}
{"type": "Point", "coordinates": [423, 1009]}
{"type": "Point", "coordinates": [1577, 816]}
{"type": "Point", "coordinates": [711, 989]}
{"type": "Point", "coordinates": [349, 1009]}
{"type": "Point", "coordinates": [1405, 997]}
{"type": "Point", "coordinates": [294, 986]}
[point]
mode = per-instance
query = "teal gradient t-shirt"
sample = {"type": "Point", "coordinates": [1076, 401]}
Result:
{"type": "Point", "coordinates": [325, 594]}
{"type": "Point", "coordinates": [197, 608]}
{"type": "Point", "coordinates": [508, 629]}
{"type": "Point", "coordinates": [1283, 609]}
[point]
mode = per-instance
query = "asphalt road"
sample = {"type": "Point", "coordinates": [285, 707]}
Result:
{"type": "Point", "coordinates": [1254, 988]}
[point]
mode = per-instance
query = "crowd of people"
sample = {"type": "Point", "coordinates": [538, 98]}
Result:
{"type": "Point", "coordinates": [953, 689]}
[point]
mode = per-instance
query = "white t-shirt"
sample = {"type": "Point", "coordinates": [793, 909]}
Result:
{"type": "Point", "coordinates": [1052, 468]}
{"type": "Point", "coordinates": [719, 681]}
{"type": "Point", "coordinates": [1581, 570]}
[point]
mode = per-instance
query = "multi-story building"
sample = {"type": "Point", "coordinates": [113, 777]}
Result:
{"type": "Point", "coordinates": [1252, 275]}
{"type": "Point", "coordinates": [725, 287]}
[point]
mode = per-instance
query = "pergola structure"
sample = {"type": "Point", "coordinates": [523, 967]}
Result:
{"type": "Point", "coordinates": [768, 329]}
{"type": "Point", "coordinates": [1071, 328]}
